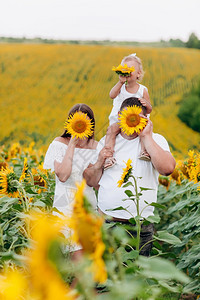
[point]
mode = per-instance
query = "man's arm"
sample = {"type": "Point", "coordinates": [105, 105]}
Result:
{"type": "Point", "coordinates": [162, 160]}
{"type": "Point", "coordinates": [93, 172]}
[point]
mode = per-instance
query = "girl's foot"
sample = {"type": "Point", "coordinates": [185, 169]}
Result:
{"type": "Point", "coordinates": [109, 163]}
{"type": "Point", "coordinates": [144, 156]}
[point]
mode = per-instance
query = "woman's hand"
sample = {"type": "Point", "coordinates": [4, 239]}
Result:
{"type": "Point", "coordinates": [73, 141]}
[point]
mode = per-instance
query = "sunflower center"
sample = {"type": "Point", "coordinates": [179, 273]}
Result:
{"type": "Point", "coordinates": [79, 126]}
{"type": "Point", "coordinates": [133, 120]}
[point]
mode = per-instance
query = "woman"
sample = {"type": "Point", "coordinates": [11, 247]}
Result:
{"type": "Point", "coordinates": [68, 155]}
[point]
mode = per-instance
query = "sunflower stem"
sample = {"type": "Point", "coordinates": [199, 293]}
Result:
{"type": "Point", "coordinates": [138, 224]}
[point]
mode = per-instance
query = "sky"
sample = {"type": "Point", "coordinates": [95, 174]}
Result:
{"type": "Point", "coordinates": [130, 20]}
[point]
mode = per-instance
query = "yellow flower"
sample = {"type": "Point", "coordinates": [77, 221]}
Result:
{"type": "Point", "coordinates": [176, 175]}
{"type": "Point", "coordinates": [12, 285]}
{"type": "Point", "coordinates": [87, 232]}
{"type": "Point", "coordinates": [126, 173]}
{"type": "Point", "coordinates": [194, 170]}
{"type": "Point", "coordinates": [25, 169]}
{"type": "Point", "coordinates": [164, 180]}
{"type": "Point", "coordinates": [123, 70]}
{"type": "Point", "coordinates": [39, 180]}
{"type": "Point", "coordinates": [7, 176]}
{"type": "Point", "coordinates": [46, 282]}
{"type": "Point", "coordinates": [130, 121]}
{"type": "Point", "coordinates": [3, 164]}
{"type": "Point", "coordinates": [14, 150]}
{"type": "Point", "coordinates": [79, 125]}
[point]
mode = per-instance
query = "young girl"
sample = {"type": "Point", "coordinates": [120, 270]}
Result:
{"type": "Point", "coordinates": [125, 88]}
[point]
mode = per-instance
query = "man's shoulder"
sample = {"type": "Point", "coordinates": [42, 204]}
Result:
{"type": "Point", "coordinates": [157, 136]}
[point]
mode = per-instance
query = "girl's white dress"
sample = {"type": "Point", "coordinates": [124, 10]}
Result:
{"type": "Point", "coordinates": [65, 191]}
{"type": "Point", "coordinates": [113, 117]}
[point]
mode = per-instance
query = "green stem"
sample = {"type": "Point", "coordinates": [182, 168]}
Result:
{"type": "Point", "coordinates": [138, 225]}
{"type": "Point", "coordinates": [118, 259]}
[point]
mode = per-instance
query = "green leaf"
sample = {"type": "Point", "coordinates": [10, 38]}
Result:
{"type": "Point", "coordinates": [161, 269]}
{"type": "Point", "coordinates": [127, 184]}
{"type": "Point", "coordinates": [153, 219]}
{"type": "Point", "coordinates": [167, 237]}
{"type": "Point", "coordinates": [117, 208]}
{"type": "Point", "coordinates": [155, 204]}
{"type": "Point", "coordinates": [129, 193]}
{"type": "Point", "coordinates": [145, 189]}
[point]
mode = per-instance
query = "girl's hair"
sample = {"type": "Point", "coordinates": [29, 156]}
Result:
{"type": "Point", "coordinates": [132, 57]}
{"type": "Point", "coordinates": [85, 109]}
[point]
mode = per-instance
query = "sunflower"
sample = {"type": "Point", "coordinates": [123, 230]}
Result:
{"type": "Point", "coordinates": [87, 232]}
{"type": "Point", "coordinates": [25, 170]}
{"type": "Point", "coordinates": [126, 173]}
{"type": "Point", "coordinates": [50, 285]}
{"type": "Point", "coordinates": [39, 180]}
{"type": "Point", "coordinates": [130, 120]}
{"type": "Point", "coordinates": [194, 170]}
{"type": "Point", "coordinates": [79, 125]}
{"type": "Point", "coordinates": [13, 284]}
{"type": "Point", "coordinates": [164, 180]}
{"type": "Point", "coordinates": [123, 70]}
{"type": "Point", "coordinates": [7, 176]}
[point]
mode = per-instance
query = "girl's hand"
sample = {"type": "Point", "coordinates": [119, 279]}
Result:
{"type": "Point", "coordinates": [105, 152]}
{"type": "Point", "coordinates": [143, 101]}
{"type": "Point", "coordinates": [122, 79]}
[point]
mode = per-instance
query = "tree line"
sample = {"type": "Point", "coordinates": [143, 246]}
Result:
{"type": "Point", "coordinates": [193, 42]}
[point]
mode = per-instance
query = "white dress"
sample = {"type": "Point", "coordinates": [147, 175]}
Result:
{"type": "Point", "coordinates": [65, 191]}
{"type": "Point", "coordinates": [113, 117]}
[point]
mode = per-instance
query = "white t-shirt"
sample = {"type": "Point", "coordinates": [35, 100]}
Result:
{"type": "Point", "coordinates": [110, 196]}
{"type": "Point", "coordinates": [117, 102]}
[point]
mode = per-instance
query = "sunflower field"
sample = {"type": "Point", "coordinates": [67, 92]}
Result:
{"type": "Point", "coordinates": [39, 84]}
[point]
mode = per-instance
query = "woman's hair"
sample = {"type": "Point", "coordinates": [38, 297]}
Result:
{"type": "Point", "coordinates": [85, 109]}
{"type": "Point", "coordinates": [132, 57]}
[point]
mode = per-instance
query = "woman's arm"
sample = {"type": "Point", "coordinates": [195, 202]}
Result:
{"type": "Point", "coordinates": [63, 170]}
{"type": "Point", "coordinates": [162, 160]}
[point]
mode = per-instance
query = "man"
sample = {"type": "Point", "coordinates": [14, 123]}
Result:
{"type": "Point", "coordinates": [110, 196]}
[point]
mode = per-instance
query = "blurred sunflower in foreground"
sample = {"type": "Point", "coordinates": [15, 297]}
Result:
{"type": "Point", "coordinates": [79, 125]}
{"type": "Point", "coordinates": [87, 232]}
{"type": "Point", "coordinates": [130, 121]}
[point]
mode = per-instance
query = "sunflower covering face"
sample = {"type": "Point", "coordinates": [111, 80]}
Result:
{"type": "Point", "coordinates": [79, 125]}
{"type": "Point", "coordinates": [130, 121]}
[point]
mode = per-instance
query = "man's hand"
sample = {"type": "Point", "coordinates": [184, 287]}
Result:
{"type": "Point", "coordinates": [147, 130]}
{"type": "Point", "coordinates": [105, 152]}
